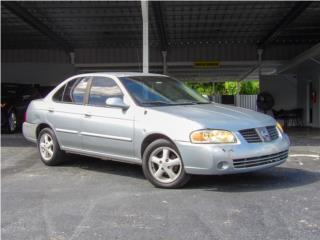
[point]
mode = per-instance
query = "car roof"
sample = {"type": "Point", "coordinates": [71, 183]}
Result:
{"type": "Point", "coordinates": [121, 74]}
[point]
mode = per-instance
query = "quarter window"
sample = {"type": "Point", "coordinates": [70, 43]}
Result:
{"type": "Point", "coordinates": [67, 97]}
{"type": "Point", "coordinates": [101, 89]}
{"type": "Point", "coordinates": [58, 95]}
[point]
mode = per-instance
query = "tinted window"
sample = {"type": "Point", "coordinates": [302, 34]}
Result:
{"type": "Point", "coordinates": [102, 89]}
{"type": "Point", "coordinates": [58, 95]}
{"type": "Point", "coordinates": [75, 91]}
{"type": "Point", "coordinates": [79, 91]}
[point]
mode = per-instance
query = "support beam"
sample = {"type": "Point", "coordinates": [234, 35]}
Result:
{"type": "Point", "coordinates": [315, 60]}
{"type": "Point", "coordinates": [306, 55]}
{"type": "Point", "coordinates": [213, 88]}
{"type": "Point", "coordinates": [27, 17]}
{"type": "Point", "coordinates": [295, 12]}
{"type": "Point", "coordinates": [145, 35]}
{"type": "Point", "coordinates": [187, 65]}
{"type": "Point", "coordinates": [164, 62]}
{"type": "Point", "coordinates": [157, 10]}
{"type": "Point", "coordinates": [260, 51]}
{"type": "Point", "coordinates": [254, 68]}
{"type": "Point", "coordinates": [72, 58]}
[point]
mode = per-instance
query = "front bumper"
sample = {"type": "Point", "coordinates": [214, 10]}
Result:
{"type": "Point", "coordinates": [218, 159]}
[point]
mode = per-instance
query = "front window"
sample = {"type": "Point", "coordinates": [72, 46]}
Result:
{"type": "Point", "coordinates": [160, 91]}
{"type": "Point", "coordinates": [101, 89]}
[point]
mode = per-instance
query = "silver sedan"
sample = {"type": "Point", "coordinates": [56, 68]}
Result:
{"type": "Point", "coordinates": [155, 121]}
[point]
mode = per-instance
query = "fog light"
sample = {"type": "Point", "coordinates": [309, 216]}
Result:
{"type": "Point", "coordinates": [223, 165]}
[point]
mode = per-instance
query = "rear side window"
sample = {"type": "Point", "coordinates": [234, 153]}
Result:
{"type": "Point", "coordinates": [103, 88]}
{"type": "Point", "coordinates": [79, 91]}
{"type": "Point", "coordinates": [73, 92]}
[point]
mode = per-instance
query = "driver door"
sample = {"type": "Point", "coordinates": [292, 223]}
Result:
{"type": "Point", "coordinates": [107, 130]}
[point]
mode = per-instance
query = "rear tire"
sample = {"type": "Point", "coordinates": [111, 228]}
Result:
{"type": "Point", "coordinates": [49, 148]}
{"type": "Point", "coordinates": [12, 122]}
{"type": "Point", "coordinates": [163, 166]}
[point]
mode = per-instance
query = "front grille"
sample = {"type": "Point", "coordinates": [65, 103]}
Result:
{"type": "Point", "coordinates": [250, 135]}
{"type": "Point", "coordinates": [273, 132]}
{"type": "Point", "coordinates": [261, 160]}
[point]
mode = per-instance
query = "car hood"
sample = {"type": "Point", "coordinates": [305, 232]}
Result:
{"type": "Point", "coordinates": [219, 116]}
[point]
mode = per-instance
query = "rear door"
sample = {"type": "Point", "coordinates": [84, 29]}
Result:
{"type": "Point", "coordinates": [107, 130]}
{"type": "Point", "coordinates": [66, 112]}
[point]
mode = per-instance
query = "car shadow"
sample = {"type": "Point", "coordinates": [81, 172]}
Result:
{"type": "Point", "coordinates": [103, 166]}
{"type": "Point", "coordinates": [264, 180]}
{"type": "Point", "coordinates": [14, 140]}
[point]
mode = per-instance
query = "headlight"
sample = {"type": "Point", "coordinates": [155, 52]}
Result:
{"type": "Point", "coordinates": [212, 136]}
{"type": "Point", "coordinates": [279, 127]}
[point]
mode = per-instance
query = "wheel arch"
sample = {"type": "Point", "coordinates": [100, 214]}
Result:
{"type": "Point", "coordinates": [151, 138]}
{"type": "Point", "coordinates": [46, 125]}
{"type": "Point", "coordinates": [42, 126]}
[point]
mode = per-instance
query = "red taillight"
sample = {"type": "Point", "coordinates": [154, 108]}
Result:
{"type": "Point", "coordinates": [25, 116]}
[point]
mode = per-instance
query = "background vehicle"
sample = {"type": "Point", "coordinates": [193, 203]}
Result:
{"type": "Point", "coordinates": [15, 99]}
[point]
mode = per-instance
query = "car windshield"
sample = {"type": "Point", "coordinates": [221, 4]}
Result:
{"type": "Point", "coordinates": [161, 91]}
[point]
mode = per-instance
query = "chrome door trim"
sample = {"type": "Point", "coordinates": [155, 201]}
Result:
{"type": "Point", "coordinates": [106, 136]}
{"type": "Point", "coordinates": [66, 131]}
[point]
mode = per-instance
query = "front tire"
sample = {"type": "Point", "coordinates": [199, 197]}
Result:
{"type": "Point", "coordinates": [162, 165]}
{"type": "Point", "coordinates": [49, 148]}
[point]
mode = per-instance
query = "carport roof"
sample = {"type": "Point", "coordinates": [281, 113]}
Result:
{"type": "Point", "coordinates": [106, 24]}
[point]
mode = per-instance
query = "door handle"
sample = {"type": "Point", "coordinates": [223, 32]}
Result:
{"type": "Point", "coordinates": [51, 110]}
{"type": "Point", "coordinates": [87, 115]}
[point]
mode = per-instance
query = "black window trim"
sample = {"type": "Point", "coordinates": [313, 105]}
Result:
{"type": "Point", "coordinates": [52, 98]}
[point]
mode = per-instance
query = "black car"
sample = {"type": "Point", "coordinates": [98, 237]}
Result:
{"type": "Point", "coordinates": [15, 99]}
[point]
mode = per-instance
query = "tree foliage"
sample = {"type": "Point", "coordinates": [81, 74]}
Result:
{"type": "Point", "coordinates": [202, 88]}
{"type": "Point", "coordinates": [226, 88]}
{"type": "Point", "coordinates": [250, 88]}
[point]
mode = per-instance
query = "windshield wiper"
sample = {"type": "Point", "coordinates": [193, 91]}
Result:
{"type": "Point", "coordinates": [156, 103]}
{"type": "Point", "coordinates": [192, 103]}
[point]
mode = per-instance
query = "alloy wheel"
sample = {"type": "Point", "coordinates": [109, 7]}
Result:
{"type": "Point", "coordinates": [46, 146]}
{"type": "Point", "coordinates": [165, 164]}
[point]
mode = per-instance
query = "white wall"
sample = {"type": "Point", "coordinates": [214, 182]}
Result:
{"type": "Point", "coordinates": [283, 88]}
{"type": "Point", "coordinates": [309, 72]}
{"type": "Point", "coordinates": [36, 73]}
{"type": "Point", "coordinates": [290, 90]}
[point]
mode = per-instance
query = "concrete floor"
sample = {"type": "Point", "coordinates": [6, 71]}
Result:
{"type": "Point", "coordinates": [92, 199]}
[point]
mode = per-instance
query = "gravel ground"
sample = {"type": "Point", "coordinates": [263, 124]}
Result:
{"type": "Point", "coordinates": [87, 198]}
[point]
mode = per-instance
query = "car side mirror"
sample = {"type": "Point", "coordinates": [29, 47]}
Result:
{"type": "Point", "coordinates": [116, 102]}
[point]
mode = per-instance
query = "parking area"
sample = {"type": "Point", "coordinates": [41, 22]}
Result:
{"type": "Point", "coordinates": [88, 198]}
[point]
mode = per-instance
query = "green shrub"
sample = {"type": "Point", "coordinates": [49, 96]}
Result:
{"type": "Point", "coordinates": [226, 88]}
